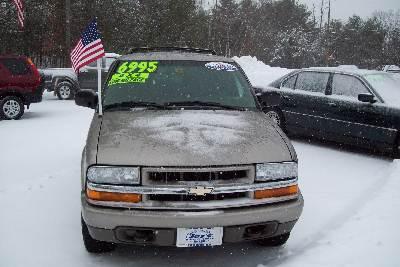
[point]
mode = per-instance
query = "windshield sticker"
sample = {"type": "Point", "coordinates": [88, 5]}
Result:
{"type": "Point", "coordinates": [133, 72]}
{"type": "Point", "coordinates": [123, 78]}
{"type": "Point", "coordinates": [221, 66]}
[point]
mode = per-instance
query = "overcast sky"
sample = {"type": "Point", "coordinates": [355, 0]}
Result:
{"type": "Point", "coordinates": [342, 9]}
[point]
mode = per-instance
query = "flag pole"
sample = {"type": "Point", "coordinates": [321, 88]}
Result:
{"type": "Point", "coordinates": [99, 87]}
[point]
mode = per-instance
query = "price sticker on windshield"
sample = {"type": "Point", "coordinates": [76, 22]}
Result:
{"type": "Point", "coordinates": [133, 72]}
{"type": "Point", "coordinates": [124, 78]}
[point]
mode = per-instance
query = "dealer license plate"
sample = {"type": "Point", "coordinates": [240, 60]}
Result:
{"type": "Point", "coordinates": [199, 237]}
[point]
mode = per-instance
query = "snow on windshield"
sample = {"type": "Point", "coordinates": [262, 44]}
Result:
{"type": "Point", "coordinates": [387, 86]}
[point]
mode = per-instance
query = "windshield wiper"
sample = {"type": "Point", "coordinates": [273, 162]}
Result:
{"type": "Point", "coordinates": [134, 104]}
{"type": "Point", "coordinates": [202, 104]}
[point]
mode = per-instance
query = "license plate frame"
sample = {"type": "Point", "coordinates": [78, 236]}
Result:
{"type": "Point", "coordinates": [199, 237]}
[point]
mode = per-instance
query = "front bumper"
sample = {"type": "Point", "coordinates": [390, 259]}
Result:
{"type": "Point", "coordinates": [112, 225]}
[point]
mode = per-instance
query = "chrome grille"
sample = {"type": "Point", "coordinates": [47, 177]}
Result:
{"type": "Point", "coordinates": [174, 177]}
{"type": "Point", "coordinates": [215, 188]}
{"type": "Point", "coordinates": [190, 176]}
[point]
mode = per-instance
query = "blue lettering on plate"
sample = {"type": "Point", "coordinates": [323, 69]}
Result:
{"type": "Point", "coordinates": [199, 237]}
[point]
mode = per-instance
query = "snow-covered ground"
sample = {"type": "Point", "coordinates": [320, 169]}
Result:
{"type": "Point", "coordinates": [350, 216]}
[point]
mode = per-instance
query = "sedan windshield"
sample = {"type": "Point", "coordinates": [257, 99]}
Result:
{"type": "Point", "coordinates": [178, 83]}
{"type": "Point", "coordinates": [387, 86]}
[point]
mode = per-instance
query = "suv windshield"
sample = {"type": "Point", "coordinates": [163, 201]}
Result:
{"type": "Point", "coordinates": [178, 83]}
{"type": "Point", "coordinates": [387, 86]}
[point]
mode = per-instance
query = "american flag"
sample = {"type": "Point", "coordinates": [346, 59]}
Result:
{"type": "Point", "coordinates": [88, 49]}
{"type": "Point", "coordinates": [20, 11]}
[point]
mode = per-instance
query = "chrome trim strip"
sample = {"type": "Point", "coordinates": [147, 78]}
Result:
{"type": "Point", "coordinates": [185, 190]}
{"type": "Point", "coordinates": [356, 123]}
{"type": "Point", "coordinates": [194, 205]}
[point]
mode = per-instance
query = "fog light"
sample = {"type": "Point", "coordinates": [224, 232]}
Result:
{"type": "Point", "coordinates": [277, 192]}
{"type": "Point", "coordinates": [113, 197]}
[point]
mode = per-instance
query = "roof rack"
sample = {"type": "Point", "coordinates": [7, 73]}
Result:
{"type": "Point", "coordinates": [172, 48]}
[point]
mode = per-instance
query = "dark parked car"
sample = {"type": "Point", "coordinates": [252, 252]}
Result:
{"type": "Point", "coordinates": [355, 107]}
{"type": "Point", "coordinates": [20, 84]}
{"type": "Point", "coordinates": [87, 76]}
{"type": "Point", "coordinates": [62, 81]}
{"type": "Point", "coordinates": [65, 83]}
{"type": "Point", "coordinates": [391, 68]}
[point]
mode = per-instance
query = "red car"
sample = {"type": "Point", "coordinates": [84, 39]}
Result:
{"type": "Point", "coordinates": [20, 85]}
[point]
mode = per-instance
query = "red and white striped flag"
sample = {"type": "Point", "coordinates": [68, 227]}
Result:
{"type": "Point", "coordinates": [88, 49]}
{"type": "Point", "coordinates": [20, 11]}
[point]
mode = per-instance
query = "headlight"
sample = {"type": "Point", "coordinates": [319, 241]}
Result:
{"type": "Point", "coordinates": [276, 171]}
{"type": "Point", "coordinates": [114, 175]}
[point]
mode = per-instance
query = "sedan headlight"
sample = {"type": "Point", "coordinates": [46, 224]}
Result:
{"type": "Point", "coordinates": [114, 175]}
{"type": "Point", "coordinates": [275, 171]}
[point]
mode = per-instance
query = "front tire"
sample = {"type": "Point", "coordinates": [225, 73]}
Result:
{"type": "Point", "coordinates": [11, 108]}
{"type": "Point", "coordinates": [65, 91]}
{"type": "Point", "coordinates": [93, 245]}
{"type": "Point", "coordinates": [275, 241]}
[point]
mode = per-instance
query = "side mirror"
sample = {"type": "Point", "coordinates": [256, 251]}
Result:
{"type": "Point", "coordinates": [367, 98]}
{"type": "Point", "coordinates": [269, 99]}
{"type": "Point", "coordinates": [86, 98]}
{"type": "Point", "coordinates": [257, 90]}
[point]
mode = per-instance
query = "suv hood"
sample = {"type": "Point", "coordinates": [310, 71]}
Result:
{"type": "Point", "coordinates": [189, 138]}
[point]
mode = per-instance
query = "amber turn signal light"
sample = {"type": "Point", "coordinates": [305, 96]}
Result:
{"type": "Point", "coordinates": [30, 61]}
{"type": "Point", "coordinates": [113, 197]}
{"type": "Point", "coordinates": [277, 192]}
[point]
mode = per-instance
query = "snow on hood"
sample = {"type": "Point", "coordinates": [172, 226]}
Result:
{"type": "Point", "coordinates": [197, 132]}
{"type": "Point", "coordinates": [189, 138]}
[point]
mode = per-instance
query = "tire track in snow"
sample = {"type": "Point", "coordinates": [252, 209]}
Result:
{"type": "Point", "coordinates": [38, 183]}
{"type": "Point", "coordinates": [336, 222]}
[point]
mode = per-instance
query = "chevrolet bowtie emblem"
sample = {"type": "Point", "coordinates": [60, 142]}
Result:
{"type": "Point", "coordinates": [201, 190]}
